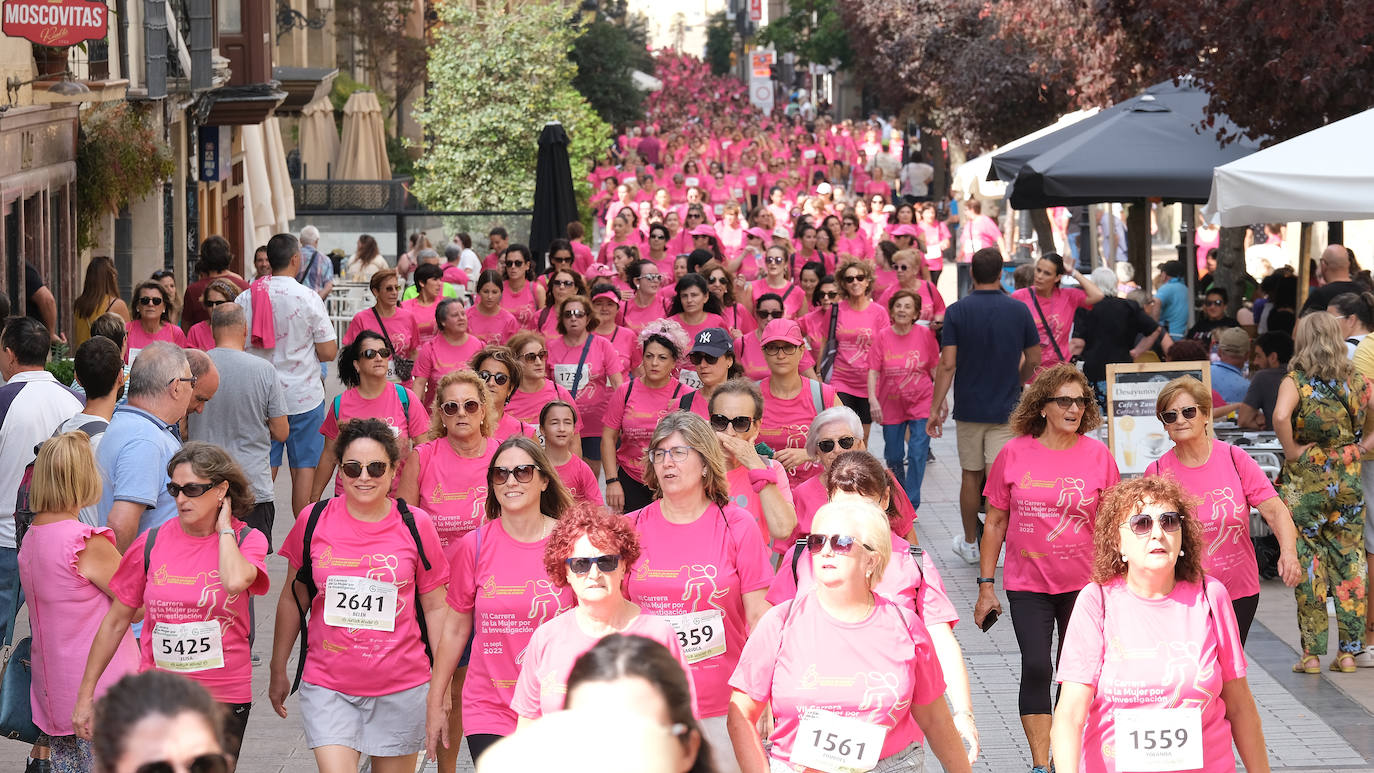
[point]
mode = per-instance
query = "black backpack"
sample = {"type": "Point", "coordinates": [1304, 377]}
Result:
{"type": "Point", "coordinates": [306, 579]}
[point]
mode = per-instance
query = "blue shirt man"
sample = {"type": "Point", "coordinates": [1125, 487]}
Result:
{"type": "Point", "coordinates": [1173, 299]}
{"type": "Point", "coordinates": [1227, 378]}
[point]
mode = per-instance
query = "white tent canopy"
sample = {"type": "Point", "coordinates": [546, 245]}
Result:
{"type": "Point", "coordinates": [972, 176]}
{"type": "Point", "coordinates": [645, 82]}
{"type": "Point", "coordinates": [1325, 174]}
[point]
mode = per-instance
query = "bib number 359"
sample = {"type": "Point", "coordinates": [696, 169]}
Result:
{"type": "Point", "coordinates": [829, 742]}
{"type": "Point", "coordinates": [1153, 740]}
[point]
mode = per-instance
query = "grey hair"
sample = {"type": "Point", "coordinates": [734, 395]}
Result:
{"type": "Point", "coordinates": [227, 316]}
{"type": "Point", "coordinates": [426, 254]}
{"type": "Point", "coordinates": [156, 366]}
{"type": "Point", "coordinates": [1105, 279]}
{"type": "Point", "coordinates": [839, 413]}
{"type": "Point", "coordinates": [310, 235]}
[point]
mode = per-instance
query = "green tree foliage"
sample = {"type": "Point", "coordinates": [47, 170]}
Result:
{"type": "Point", "coordinates": [606, 53]}
{"type": "Point", "coordinates": [497, 79]}
{"type": "Point", "coordinates": [720, 41]}
{"type": "Point", "coordinates": [120, 158]}
{"type": "Point", "coordinates": [814, 30]}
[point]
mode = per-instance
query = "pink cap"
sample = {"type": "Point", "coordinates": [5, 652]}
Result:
{"type": "Point", "coordinates": [785, 330]}
{"type": "Point", "coordinates": [703, 230]}
{"type": "Point", "coordinates": [758, 233]}
{"type": "Point", "coordinates": [609, 295]}
{"type": "Point", "coordinates": [904, 229]}
{"type": "Point", "coordinates": [601, 270]}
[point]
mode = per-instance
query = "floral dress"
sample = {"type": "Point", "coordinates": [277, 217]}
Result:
{"type": "Point", "coordinates": [1322, 488]}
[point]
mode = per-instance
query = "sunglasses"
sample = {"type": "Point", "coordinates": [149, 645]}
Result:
{"type": "Point", "coordinates": [150, 300]}
{"type": "Point", "coordinates": [846, 442]}
{"type": "Point", "coordinates": [213, 304]}
{"type": "Point", "coordinates": [534, 356]}
{"type": "Point", "coordinates": [1141, 524]}
{"type": "Point", "coordinates": [850, 279]}
{"type": "Point", "coordinates": [355, 469]}
{"type": "Point", "coordinates": [657, 236]}
{"type": "Point", "coordinates": [1066, 403]}
{"type": "Point", "coordinates": [562, 283]}
{"type": "Point", "coordinates": [831, 294]}
{"type": "Point", "coordinates": [524, 473]}
{"type": "Point", "coordinates": [563, 260]}
{"type": "Point", "coordinates": [717, 280]}
{"type": "Point", "coordinates": [741, 424]}
{"type": "Point", "coordinates": [775, 260]}
{"type": "Point", "coordinates": [205, 763]}
{"type": "Point", "coordinates": [580, 565]}
{"type": "Point", "coordinates": [488, 376]}
{"type": "Point", "coordinates": [697, 358]}
{"type": "Point", "coordinates": [192, 490]}
{"type": "Point", "coordinates": [369, 354]}
{"type": "Point", "coordinates": [840, 544]}
{"type": "Point", "coordinates": [762, 315]}
{"type": "Point", "coordinates": [452, 407]}
{"type": "Point", "coordinates": [900, 267]}
{"type": "Point", "coordinates": [574, 314]}
{"type": "Point", "coordinates": [1170, 416]}
{"type": "Point", "coordinates": [773, 350]}
{"type": "Point", "coordinates": [515, 263]}
{"type": "Point", "coordinates": [676, 453]}
{"type": "Point", "coordinates": [651, 277]}
{"type": "Point", "coordinates": [1214, 302]}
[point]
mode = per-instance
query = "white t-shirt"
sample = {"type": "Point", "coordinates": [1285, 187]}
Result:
{"type": "Point", "coordinates": [301, 321]}
{"type": "Point", "coordinates": [90, 514]}
{"type": "Point", "coordinates": [471, 265]}
{"type": "Point", "coordinates": [32, 405]}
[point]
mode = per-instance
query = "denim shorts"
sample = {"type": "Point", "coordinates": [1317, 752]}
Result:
{"type": "Point", "coordinates": [304, 443]}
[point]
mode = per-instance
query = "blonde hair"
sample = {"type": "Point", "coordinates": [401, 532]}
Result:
{"type": "Point", "coordinates": [870, 527]}
{"type": "Point", "coordinates": [437, 429]}
{"type": "Point", "coordinates": [700, 438]}
{"type": "Point", "coordinates": [1184, 385]}
{"type": "Point", "coordinates": [65, 476]}
{"type": "Point", "coordinates": [1318, 350]}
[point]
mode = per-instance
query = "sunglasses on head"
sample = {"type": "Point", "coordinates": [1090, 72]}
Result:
{"type": "Point", "coordinates": [769, 314]}
{"type": "Point", "coordinates": [574, 314]}
{"type": "Point", "coordinates": [205, 763]}
{"type": "Point", "coordinates": [534, 356]}
{"type": "Point", "coordinates": [451, 407]}
{"type": "Point", "coordinates": [1066, 403]}
{"type": "Point", "coordinates": [846, 443]}
{"type": "Point", "coordinates": [741, 424]}
{"type": "Point", "coordinates": [1141, 524]}
{"type": "Point", "coordinates": [355, 469]}
{"type": "Point", "coordinates": [192, 490]}
{"type": "Point", "coordinates": [581, 565]}
{"type": "Point", "coordinates": [840, 544]}
{"type": "Point", "coordinates": [697, 358]}
{"type": "Point", "coordinates": [150, 300]}
{"type": "Point", "coordinates": [1170, 416]}
{"type": "Point", "coordinates": [488, 376]}
{"type": "Point", "coordinates": [524, 473]}
{"type": "Point", "coordinates": [369, 354]}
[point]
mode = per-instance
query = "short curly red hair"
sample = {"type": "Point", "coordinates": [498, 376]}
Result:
{"type": "Point", "coordinates": [608, 531]}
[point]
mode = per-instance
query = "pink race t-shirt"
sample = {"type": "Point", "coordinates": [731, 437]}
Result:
{"type": "Point", "coordinates": [200, 337]}
{"type": "Point", "coordinates": [407, 422]}
{"type": "Point", "coordinates": [792, 296]}
{"type": "Point", "coordinates": [635, 317]}
{"type": "Point", "coordinates": [1167, 653]}
{"type": "Point", "coordinates": [625, 343]}
{"type": "Point", "coordinates": [634, 410]}
{"type": "Point", "coordinates": [181, 584]}
{"type": "Point", "coordinates": [556, 645]}
{"type": "Point", "coordinates": [135, 338]}
{"type": "Point", "coordinates": [932, 234]}
{"type": "Point", "coordinates": [526, 406]}
{"type": "Point", "coordinates": [854, 335]}
{"type": "Point", "coordinates": [906, 372]}
{"type": "Point", "coordinates": [508, 427]}
{"type": "Point", "coordinates": [1228, 484]}
{"type": "Point", "coordinates": [785, 422]}
{"type": "Point", "coordinates": [453, 488]}
{"type": "Point", "coordinates": [423, 315]}
{"type": "Point", "coordinates": [493, 329]}
{"type": "Point", "coordinates": [437, 358]}
{"type": "Point", "coordinates": [710, 320]}
{"type": "Point", "coordinates": [743, 496]}
{"type": "Point", "coordinates": [521, 303]}
{"type": "Point", "coordinates": [1052, 498]}
{"type": "Point", "coordinates": [400, 329]}
{"type": "Point", "coordinates": [800, 658]}
{"type": "Point", "coordinates": [500, 582]}
{"type": "Point", "coordinates": [581, 483]}
{"type": "Point", "coordinates": [367, 661]}
{"type": "Point", "coordinates": [593, 381]}
{"type": "Point", "coordinates": [918, 588]}
{"type": "Point", "coordinates": [696, 574]}
{"type": "Point", "coordinates": [1058, 309]}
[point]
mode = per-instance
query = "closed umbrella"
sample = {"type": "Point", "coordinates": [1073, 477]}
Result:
{"type": "Point", "coordinates": [319, 139]}
{"type": "Point", "coordinates": [362, 152]}
{"type": "Point", "coordinates": [555, 204]}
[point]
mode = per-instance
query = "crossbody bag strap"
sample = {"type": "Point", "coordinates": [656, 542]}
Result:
{"type": "Point", "coordinates": [581, 361]}
{"type": "Point", "coordinates": [385, 335]}
{"type": "Point", "coordinates": [1048, 332]}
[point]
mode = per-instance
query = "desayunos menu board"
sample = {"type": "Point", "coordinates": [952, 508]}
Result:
{"type": "Point", "coordinates": [1135, 433]}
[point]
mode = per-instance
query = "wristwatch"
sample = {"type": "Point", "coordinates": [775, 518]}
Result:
{"type": "Point", "coordinates": [987, 580]}
{"type": "Point", "coordinates": [609, 481]}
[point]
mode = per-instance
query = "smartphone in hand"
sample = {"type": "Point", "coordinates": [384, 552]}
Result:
{"type": "Point", "coordinates": [989, 619]}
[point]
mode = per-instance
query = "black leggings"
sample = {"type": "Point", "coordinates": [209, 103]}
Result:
{"type": "Point", "coordinates": [479, 743]}
{"type": "Point", "coordinates": [1035, 616]}
{"type": "Point", "coordinates": [637, 495]}
{"type": "Point", "coordinates": [235, 722]}
{"type": "Point", "coordinates": [1245, 608]}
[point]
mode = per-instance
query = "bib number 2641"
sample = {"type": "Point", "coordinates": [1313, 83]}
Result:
{"type": "Point", "coordinates": [359, 602]}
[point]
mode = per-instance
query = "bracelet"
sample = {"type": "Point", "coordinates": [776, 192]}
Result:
{"type": "Point", "coordinates": [988, 580]}
{"type": "Point", "coordinates": [609, 481]}
{"type": "Point", "coordinates": [223, 532]}
{"type": "Point", "coordinates": [963, 712]}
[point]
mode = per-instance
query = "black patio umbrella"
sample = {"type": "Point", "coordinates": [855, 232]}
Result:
{"type": "Point", "coordinates": [555, 204]}
{"type": "Point", "coordinates": [1153, 145]}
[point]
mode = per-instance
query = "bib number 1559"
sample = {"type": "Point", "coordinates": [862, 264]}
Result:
{"type": "Point", "coordinates": [1154, 740]}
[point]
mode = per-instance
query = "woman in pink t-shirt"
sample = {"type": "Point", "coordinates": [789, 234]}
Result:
{"type": "Point", "coordinates": [935, 235]}
{"type": "Point", "coordinates": [645, 305]}
{"type": "Point", "coordinates": [153, 321]}
{"type": "Point", "coordinates": [444, 476]}
{"type": "Point", "coordinates": [193, 576]}
{"type": "Point", "coordinates": [704, 564]}
{"type": "Point", "coordinates": [536, 389]}
{"type": "Point", "coordinates": [843, 661]}
{"type": "Point", "coordinates": [724, 287]}
{"type": "Point", "coordinates": [563, 284]}
{"type": "Point", "coordinates": [634, 411]}
{"type": "Point", "coordinates": [65, 567]}
{"type": "Point", "coordinates": [758, 485]}
{"type": "Point", "coordinates": [858, 320]}
{"type": "Point", "coordinates": [1043, 490]}
{"type": "Point", "coordinates": [790, 400]}
{"type": "Point", "coordinates": [429, 291]}
{"type": "Point", "coordinates": [588, 368]}
{"type": "Point", "coordinates": [501, 372]}
{"type": "Point", "coordinates": [1227, 484]}
{"type": "Point", "coordinates": [1153, 671]}
{"type": "Point", "coordinates": [519, 298]}
{"type": "Point", "coordinates": [363, 367]}
{"type": "Point", "coordinates": [693, 306]}
{"type": "Point", "coordinates": [589, 551]}
{"type": "Point", "coordinates": [499, 593]}
{"type": "Point", "coordinates": [910, 276]}
{"type": "Point", "coordinates": [606, 305]}
{"type": "Point", "coordinates": [1052, 306]}
{"type": "Point", "coordinates": [775, 279]}
{"type": "Point", "coordinates": [217, 292]}
{"type": "Point", "coordinates": [901, 373]}
{"type": "Point", "coordinates": [446, 352]}
{"type": "Point", "coordinates": [749, 348]}
{"type": "Point", "coordinates": [491, 323]}
{"type": "Point", "coordinates": [558, 424]}
{"type": "Point", "coordinates": [375, 570]}
{"type": "Point", "coordinates": [394, 323]}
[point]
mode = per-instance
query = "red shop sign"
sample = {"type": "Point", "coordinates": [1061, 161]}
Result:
{"type": "Point", "coordinates": [55, 22]}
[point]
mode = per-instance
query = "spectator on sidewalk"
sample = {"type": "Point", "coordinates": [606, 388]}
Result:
{"type": "Point", "coordinates": [1335, 276]}
{"type": "Point", "coordinates": [213, 263]}
{"type": "Point", "coordinates": [1227, 378]}
{"type": "Point", "coordinates": [1268, 366]}
{"type": "Point", "coordinates": [317, 271]}
{"type": "Point", "coordinates": [1173, 298]}
{"type": "Point", "coordinates": [100, 372]}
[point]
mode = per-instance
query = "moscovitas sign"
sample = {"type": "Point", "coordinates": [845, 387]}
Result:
{"type": "Point", "coordinates": [54, 22]}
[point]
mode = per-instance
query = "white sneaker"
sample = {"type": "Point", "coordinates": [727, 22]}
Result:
{"type": "Point", "coordinates": [1366, 659]}
{"type": "Point", "coordinates": [966, 550]}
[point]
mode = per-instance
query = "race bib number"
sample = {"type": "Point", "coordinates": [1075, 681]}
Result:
{"type": "Point", "coordinates": [185, 648]}
{"type": "Point", "coordinates": [933, 251]}
{"type": "Point", "coordinates": [751, 180]}
{"type": "Point", "coordinates": [719, 209]}
{"type": "Point", "coordinates": [829, 742]}
{"type": "Point", "coordinates": [1149, 740]}
{"type": "Point", "coordinates": [701, 635]}
{"type": "Point", "coordinates": [566, 376]}
{"type": "Point", "coordinates": [808, 154]}
{"type": "Point", "coordinates": [689, 378]}
{"type": "Point", "coordinates": [737, 192]}
{"type": "Point", "coordinates": [359, 602]}
{"type": "Point", "coordinates": [692, 182]}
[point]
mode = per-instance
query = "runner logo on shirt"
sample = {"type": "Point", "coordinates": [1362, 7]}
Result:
{"type": "Point", "coordinates": [1226, 514]}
